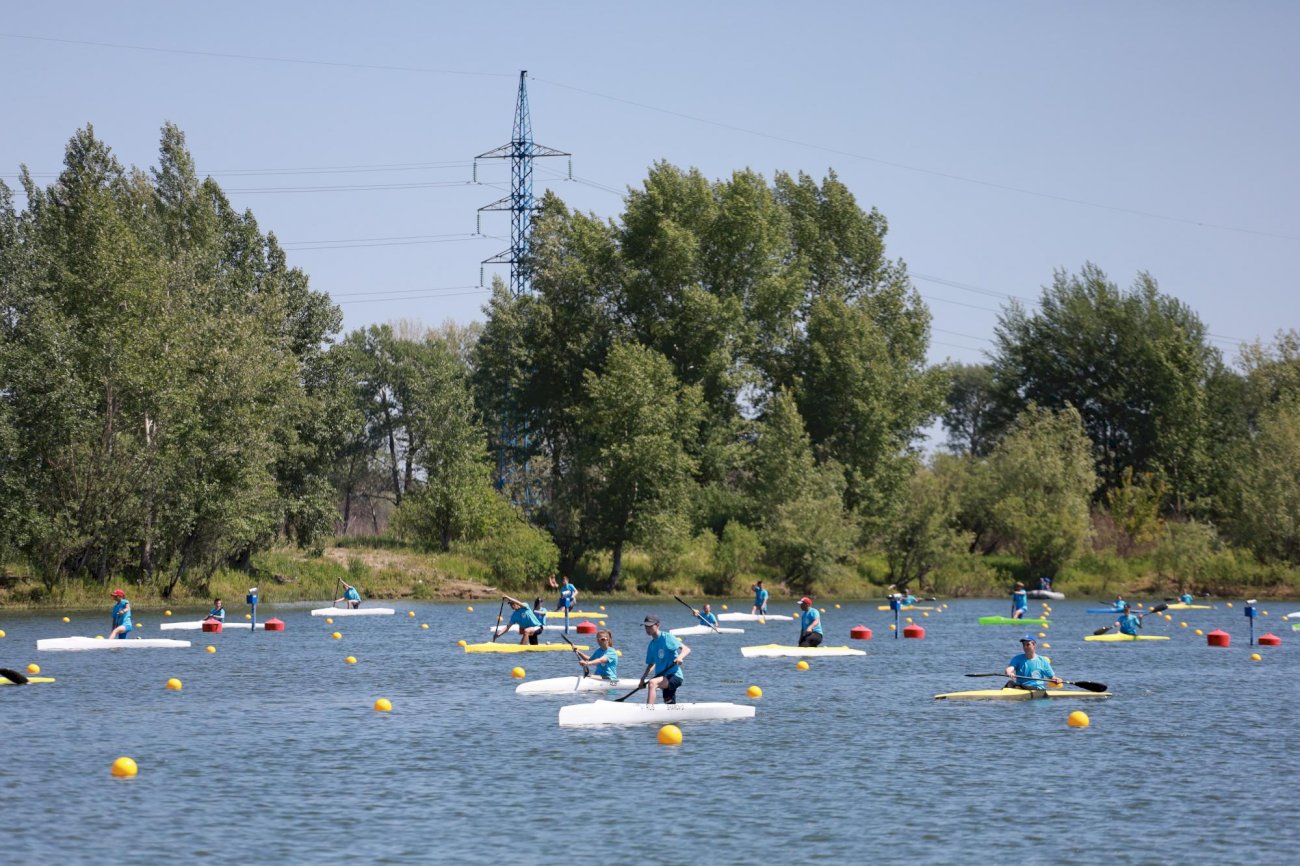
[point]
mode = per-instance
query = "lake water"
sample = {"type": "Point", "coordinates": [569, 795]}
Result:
{"type": "Point", "coordinates": [272, 752]}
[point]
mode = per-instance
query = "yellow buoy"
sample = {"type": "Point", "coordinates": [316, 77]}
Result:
{"type": "Point", "coordinates": [1047, 645]}
{"type": "Point", "coordinates": [517, 673]}
{"type": "Point", "coordinates": [762, 621]}
{"type": "Point", "coordinates": [461, 642]}
{"type": "Point", "coordinates": [1169, 617]}
{"type": "Point", "coordinates": [424, 625]}
{"type": "Point", "coordinates": [1254, 657]}
{"type": "Point", "coordinates": [724, 607]}
{"type": "Point", "coordinates": [1182, 625]}
{"type": "Point", "coordinates": [66, 619]}
{"type": "Point", "coordinates": [337, 635]}
{"type": "Point", "coordinates": [211, 648]}
{"type": "Point", "coordinates": [821, 610]}
{"type": "Point", "coordinates": [1229, 604]}
{"type": "Point", "coordinates": [801, 666]}
{"type": "Point", "coordinates": [33, 668]}
{"type": "Point", "coordinates": [907, 619]}
{"type": "Point", "coordinates": [124, 768]}
{"type": "Point", "coordinates": [351, 660]}
{"type": "Point", "coordinates": [1199, 632]}
{"type": "Point", "coordinates": [248, 616]}
{"type": "Point", "coordinates": [99, 637]}
{"type": "Point", "coordinates": [754, 692]}
{"type": "Point", "coordinates": [174, 685]}
{"type": "Point", "coordinates": [670, 735]}
{"type": "Point", "coordinates": [925, 613]}
{"type": "Point", "coordinates": [470, 608]}
{"type": "Point", "coordinates": [383, 705]}
{"type": "Point", "coordinates": [602, 607]}
{"type": "Point", "coordinates": [2, 632]}
{"type": "Point", "coordinates": [167, 613]}
{"type": "Point", "coordinates": [1078, 719]}
{"type": "Point", "coordinates": [410, 613]}
{"type": "Point", "coordinates": [893, 627]}
{"type": "Point", "coordinates": [329, 620]}
{"type": "Point", "coordinates": [1042, 634]}
{"type": "Point", "coordinates": [602, 623]}
{"type": "Point", "coordinates": [837, 607]}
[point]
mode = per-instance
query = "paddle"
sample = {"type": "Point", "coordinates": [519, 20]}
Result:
{"type": "Point", "coordinates": [1083, 684]}
{"type": "Point", "coordinates": [585, 673]}
{"type": "Point", "coordinates": [13, 676]}
{"type": "Point", "coordinates": [645, 679]}
{"type": "Point", "coordinates": [711, 625]}
{"type": "Point", "coordinates": [500, 609]}
{"type": "Point", "coordinates": [1155, 609]}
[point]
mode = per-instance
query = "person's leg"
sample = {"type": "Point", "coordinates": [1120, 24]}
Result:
{"type": "Point", "coordinates": [650, 687]}
{"type": "Point", "coordinates": [815, 639]}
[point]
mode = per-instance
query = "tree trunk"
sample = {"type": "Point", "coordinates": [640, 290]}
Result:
{"type": "Point", "coordinates": [616, 569]}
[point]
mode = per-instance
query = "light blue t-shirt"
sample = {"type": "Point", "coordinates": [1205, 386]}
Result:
{"type": "Point", "coordinates": [709, 618]}
{"type": "Point", "coordinates": [1032, 670]}
{"type": "Point", "coordinates": [1129, 624]}
{"type": "Point", "coordinates": [122, 616]}
{"type": "Point", "coordinates": [609, 668]}
{"type": "Point", "coordinates": [567, 592]}
{"type": "Point", "coordinates": [908, 599]}
{"type": "Point", "coordinates": [660, 652]}
{"type": "Point", "coordinates": [524, 618]}
{"type": "Point", "coordinates": [810, 617]}
{"type": "Point", "coordinates": [540, 613]}
{"type": "Point", "coordinates": [217, 613]}
{"type": "Point", "coordinates": [352, 594]}
{"type": "Point", "coordinates": [1019, 600]}
{"type": "Point", "coordinates": [1187, 598]}
{"type": "Point", "coordinates": [1120, 604]}
{"type": "Point", "coordinates": [760, 598]}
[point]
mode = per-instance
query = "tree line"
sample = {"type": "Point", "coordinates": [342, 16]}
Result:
{"type": "Point", "coordinates": [729, 378]}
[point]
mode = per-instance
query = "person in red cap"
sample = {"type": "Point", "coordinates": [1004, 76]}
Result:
{"type": "Point", "coordinates": [121, 616]}
{"type": "Point", "coordinates": [810, 624]}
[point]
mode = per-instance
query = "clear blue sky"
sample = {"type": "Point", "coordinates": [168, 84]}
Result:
{"type": "Point", "coordinates": [1001, 140]}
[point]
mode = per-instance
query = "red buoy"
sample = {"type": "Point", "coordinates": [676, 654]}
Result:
{"type": "Point", "coordinates": [1218, 637]}
{"type": "Point", "coordinates": [1269, 639]}
{"type": "Point", "coordinates": [211, 625]}
{"type": "Point", "coordinates": [913, 630]}
{"type": "Point", "coordinates": [274, 624]}
{"type": "Point", "coordinates": [585, 627]}
{"type": "Point", "coordinates": [860, 632]}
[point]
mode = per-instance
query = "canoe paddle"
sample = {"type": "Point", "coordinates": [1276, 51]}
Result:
{"type": "Point", "coordinates": [500, 609]}
{"type": "Point", "coordinates": [711, 625]}
{"type": "Point", "coordinates": [13, 676]}
{"type": "Point", "coordinates": [1155, 609]}
{"type": "Point", "coordinates": [645, 679]}
{"type": "Point", "coordinates": [1083, 684]}
{"type": "Point", "coordinates": [578, 685]}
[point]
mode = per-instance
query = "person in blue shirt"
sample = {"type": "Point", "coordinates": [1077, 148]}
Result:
{"type": "Point", "coordinates": [568, 595]}
{"type": "Point", "coordinates": [524, 619]}
{"type": "Point", "coordinates": [603, 661]}
{"type": "Point", "coordinates": [1045, 584]}
{"type": "Point", "coordinates": [1030, 670]}
{"type": "Point", "coordinates": [350, 596]}
{"type": "Point", "coordinates": [218, 613]}
{"type": "Point", "coordinates": [1019, 601]}
{"type": "Point", "coordinates": [1187, 598]}
{"type": "Point", "coordinates": [760, 599]}
{"type": "Point", "coordinates": [1128, 623]}
{"type": "Point", "coordinates": [1120, 604]}
{"type": "Point", "coordinates": [664, 657]}
{"type": "Point", "coordinates": [121, 616]}
{"type": "Point", "coordinates": [539, 611]}
{"type": "Point", "coordinates": [707, 616]}
{"type": "Point", "coordinates": [810, 624]}
{"type": "Point", "coordinates": [907, 600]}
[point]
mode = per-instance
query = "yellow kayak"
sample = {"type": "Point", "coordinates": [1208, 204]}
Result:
{"type": "Point", "coordinates": [1181, 606]}
{"type": "Point", "coordinates": [30, 681]}
{"type": "Point", "coordinates": [558, 615]}
{"type": "Point", "coordinates": [1124, 638]}
{"type": "Point", "coordinates": [1018, 695]}
{"type": "Point", "coordinates": [520, 647]}
{"type": "Point", "coordinates": [907, 607]}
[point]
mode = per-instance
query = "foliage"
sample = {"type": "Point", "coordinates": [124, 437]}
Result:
{"type": "Point", "coordinates": [736, 553]}
{"type": "Point", "coordinates": [810, 534]}
{"type": "Point", "coordinates": [1134, 505]}
{"type": "Point", "coordinates": [1263, 493]}
{"type": "Point", "coordinates": [970, 415]}
{"type": "Point", "coordinates": [920, 532]}
{"type": "Point", "coordinates": [1183, 553]}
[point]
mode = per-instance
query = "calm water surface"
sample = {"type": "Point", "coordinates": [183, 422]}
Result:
{"type": "Point", "coordinates": [273, 754]}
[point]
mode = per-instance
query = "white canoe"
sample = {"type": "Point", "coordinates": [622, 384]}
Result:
{"type": "Point", "coordinates": [94, 643]}
{"type": "Point", "coordinates": [633, 712]}
{"type": "Point", "coordinates": [1292, 615]}
{"type": "Point", "coordinates": [752, 617]}
{"type": "Point", "coordinates": [360, 611]}
{"type": "Point", "coordinates": [568, 685]}
{"type": "Point", "coordinates": [195, 625]}
{"type": "Point", "coordinates": [573, 627]}
{"type": "Point", "coordinates": [704, 629]}
{"type": "Point", "coordinates": [773, 650]}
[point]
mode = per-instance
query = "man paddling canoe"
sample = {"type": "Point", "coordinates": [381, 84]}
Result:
{"type": "Point", "coordinates": [350, 596]}
{"type": "Point", "coordinates": [121, 616]}
{"type": "Point", "coordinates": [1019, 601]}
{"type": "Point", "coordinates": [218, 612]}
{"type": "Point", "coordinates": [760, 599]}
{"type": "Point", "coordinates": [603, 661]}
{"type": "Point", "coordinates": [524, 619]}
{"type": "Point", "coordinates": [810, 624]}
{"type": "Point", "coordinates": [1028, 670]}
{"type": "Point", "coordinates": [664, 657]}
{"type": "Point", "coordinates": [706, 616]}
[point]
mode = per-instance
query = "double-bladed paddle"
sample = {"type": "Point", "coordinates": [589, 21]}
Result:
{"type": "Point", "coordinates": [1155, 609]}
{"type": "Point", "coordinates": [13, 676]}
{"type": "Point", "coordinates": [711, 625]}
{"type": "Point", "coordinates": [1083, 684]}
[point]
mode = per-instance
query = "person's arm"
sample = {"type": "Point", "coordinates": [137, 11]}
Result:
{"type": "Point", "coordinates": [682, 652]}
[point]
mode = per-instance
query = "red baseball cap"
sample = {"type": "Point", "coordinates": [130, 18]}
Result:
{"type": "Point", "coordinates": [118, 593]}
{"type": "Point", "coordinates": [805, 600]}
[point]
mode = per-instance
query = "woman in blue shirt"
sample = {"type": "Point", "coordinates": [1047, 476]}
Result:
{"type": "Point", "coordinates": [603, 661]}
{"type": "Point", "coordinates": [760, 599]}
{"type": "Point", "coordinates": [218, 612]}
{"type": "Point", "coordinates": [524, 619]}
{"type": "Point", "coordinates": [1019, 601]}
{"type": "Point", "coordinates": [1128, 622]}
{"type": "Point", "coordinates": [121, 616]}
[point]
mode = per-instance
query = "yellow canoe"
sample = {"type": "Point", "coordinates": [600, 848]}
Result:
{"type": "Point", "coordinates": [519, 647]}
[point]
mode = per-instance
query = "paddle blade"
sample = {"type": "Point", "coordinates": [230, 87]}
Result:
{"type": "Point", "coordinates": [1102, 630]}
{"type": "Point", "coordinates": [998, 674]}
{"type": "Point", "coordinates": [13, 676]}
{"type": "Point", "coordinates": [1158, 608]}
{"type": "Point", "coordinates": [1090, 686]}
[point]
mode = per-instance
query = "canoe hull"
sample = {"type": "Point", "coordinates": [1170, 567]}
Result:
{"type": "Point", "coordinates": [1021, 695]}
{"type": "Point", "coordinates": [773, 650]}
{"type": "Point", "coordinates": [520, 647]}
{"type": "Point", "coordinates": [570, 685]}
{"type": "Point", "coordinates": [77, 644]}
{"type": "Point", "coordinates": [1006, 620]}
{"type": "Point", "coordinates": [31, 681]}
{"type": "Point", "coordinates": [1181, 606]}
{"type": "Point", "coordinates": [753, 617]}
{"type": "Point", "coordinates": [197, 624]}
{"type": "Point", "coordinates": [360, 611]}
{"type": "Point", "coordinates": [1124, 638]}
{"type": "Point", "coordinates": [638, 713]}
{"type": "Point", "coordinates": [1049, 594]}
{"type": "Point", "coordinates": [686, 631]}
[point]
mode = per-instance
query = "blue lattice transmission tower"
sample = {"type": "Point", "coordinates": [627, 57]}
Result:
{"type": "Point", "coordinates": [521, 151]}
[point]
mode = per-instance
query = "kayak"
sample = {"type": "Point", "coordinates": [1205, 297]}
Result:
{"type": "Point", "coordinates": [34, 680]}
{"type": "Point", "coordinates": [1018, 695]}
{"type": "Point", "coordinates": [1115, 637]}
{"type": "Point", "coordinates": [357, 611]}
{"type": "Point", "coordinates": [1292, 615]}
{"type": "Point", "coordinates": [753, 617]}
{"type": "Point", "coordinates": [775, 650]}
{"type": "Point", "coordinates": [548, 627]}
{"type": "Point", "coordinates": [574, 614]}
{"type": "Point", "coordinates": [96, 643]}
{"type": "Point", "coordinates": [1007, 620]}
{"type": "Point", "coordinates": [639, 713]}
{"type": "Point", "coordinates": [197, 624]}
{"type": "Point", "coordinates": [1112, 610]}
{"type": "Point", "coordinates": [520, 647]}
{"type": "Point", "coordinates": [568, 685]}
{"type": "Point", "coordinates": [704, 629]}
{"type": "Point", "coordinates": [1049, 594]}
{"type": "Point", "coordinates": [1181, 606]}
{"type": "Point", "coordinates": [906, 607]}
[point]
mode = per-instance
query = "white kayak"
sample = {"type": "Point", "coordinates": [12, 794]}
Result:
{"type": "Point", "coordinates": [195, 625]}
{"type": "Point", "coordinates": [773, 650]}
{"type": "Point", "coordinates": [568, 685]}
{"type": "Point", "coordinates": [96, 643]}
{"type": "Point", "coordinates": [1292, 615]}
{"type": "Point", "coordinates": [353, 611]}
{"type": "Point", "coordinates": [573, 627]}
{"type": "Point", "coordinates": [752, 617]}
{"type": "Point", "coordinates": [634, 712]}
{"type": "Point", "coordinates": [704, 629]}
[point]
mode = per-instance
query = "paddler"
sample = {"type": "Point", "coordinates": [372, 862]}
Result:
{"type": "Point", "coordinates": [568, 597]}
{"type": "Point", "coordinates": [1030, 670]}
{"type": "Point", "coordinates": [350, 595]}
{"type": "Point", "coordinates": [1045, 583]}
{"type": "Point", "coordinates": [524, 619]}
{"type": "Point", "coordinates": [706, 616]}
{"type": "Point", "coordinates": [664, 657]}
{"type": "Point", "coordinates": [760, 599]}
{"type": "Point", "coordinates": [1019, 601]}
{"type": "Point", "coordinates": [1128, 623]}
{"type": "Point", "coordinates": [603, 661]}
{"type": "Point", "coordinates": [218, 612]}
{"type": "Point", "coordinates": [1120, 604]}
{"type": "Point", "coordinates": [810, 624]}
{"type": "Point", "coordinates": [1187, 598]}
{"type": "Point", "coordinates": [907, 599]}
{"type": "Point", "coordinates": [121, 616]}
{"type": "Point", "coordinates": [540, 611]}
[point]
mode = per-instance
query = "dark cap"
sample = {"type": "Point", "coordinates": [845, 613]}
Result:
{"type": "Point", "coordinates": [650, 619]}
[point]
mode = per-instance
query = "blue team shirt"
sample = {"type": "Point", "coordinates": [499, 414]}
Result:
{"type": "Point", "coordinates": [1187, 598]}
{"type": "Point", "coordinates": [217, 613]}
{"type": "Point", "coordinates": [810, 617]}
{"type": "Point", "coordinates": [760, 598]}
{"type": "Point", "coordinates": [1120, 604]}
{"type": "Point", "coordinates": [122, 616]}
{"type": "Point", "coordinates": [567, 593]}
{"type": "Point", "coordinates": [1129, 624]}
{"type": "Point", "coordinates": [660, 652]}
{"type": "Point", "coordinates": [908, 599]}
{"type": "Point", "coordinates": [609, 668]}
{"type": "Point", "coordinates": [524, 618]}
{"type": "Point", "coordinates": [1019, 600]}
{"type": "Point", "coordinates": [1035, 668]}
{"type": "Point", "coordinates": [352, 594]}
{"type": "Point", "coordinates": [709, 618]}
{"type": "Point", "coordinates": [540, 613]}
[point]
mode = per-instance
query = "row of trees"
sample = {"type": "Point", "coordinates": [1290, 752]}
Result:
{"type": "Point", "coordinates": [730, 366]}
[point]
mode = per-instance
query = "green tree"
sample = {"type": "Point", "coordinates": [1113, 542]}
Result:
{"type": "Point", "coordinates": [808, 536]}
{"type": "Point", "coordinates": [919, 532]}
{"type": "Point", "coordinates": [1263, 494]}
{"type": "Point", "coordinates": [971, 413]}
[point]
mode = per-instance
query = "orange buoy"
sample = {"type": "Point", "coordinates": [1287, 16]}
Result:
{"type": "Point", "coordinates": [1218, 637]}
{"type": "Point", "coordinates": [860, 632]}
{"type": "Point", "coordinates": [585, 627]}
{"type": "Point", "coordinates": [1269, 639]}
{"type": "Point", "coordinates": [914, 631]}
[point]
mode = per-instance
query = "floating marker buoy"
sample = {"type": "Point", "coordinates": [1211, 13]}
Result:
{"type": "Point", "coordinates": [724, 607]}
{"type": "Point", "coordinates": [860, 632]}
{"type": "Point", "coordinates": [351, 660]}
{"type": "Point", "coordinates": [33, 668]}
{"type": "Point", "coordinates": [1269, 639]}
{"type": "Point", "coordinates": [1169, 617]}
{"type": "Point", "coordinates": [1046, 645]}
{"type": "Point", "coordinates": [124, 768]}
{"type": "Point", "coordinates": [1229, 604]}
{"type": "Point", "coordinates": [337, 635]}
{"type": "Point", "coordinates": [273, 624]}
{"type": "Point", "coordinates": [585, 627]}
{"type": "Point", "coordinates": [925, 613]}
{"type": "Point", "coordinates": [762, 621]}
{"type": "Point", "coordinates": [837, 607]}
{"type": "Point", "coordinates": [470, 608]}
{"type": "Point", "coordinates": [1042, 634]}
{"type": "Point", "coordinates": [1078, 719]}
{"type": "Point", "coordinates": [1182, 625]}
{"type": "Point", "coordinates": [1199, 632]}
{"type": "Point", "coordinates": [914, 631]}
{"type": "Point", "coordinates": [410, 613]}
{"type": "Point", "coordinates": [329, 620]}
{"type": "Point", "coordinates": [801, 666]}
{"type": "Point", "coordinates": [99, 637]}
{"type": "Point", "coordinates": [907, 619]}
{"type": "Point", "coordinates": [383, 705]}
{"type": "Point", "coordinates": [461, 642]}
{"type": "Point", "coordinates": [424, 625]}
{"type": "Point", "coordinates": [65, 619]}
{"type": "Point", "coordinates": [167, 613]}
{"type": "Point", "coordinates": [754, 692]}
{"type": "Point", "coordinates": [517, 673]}
{"type": "Point", "coordinates": [893, 627]}
{"type": "Point", "coordinates": [2, 632]}
{"type": "Point", "coordinates": [173, 685]}
{"type": "Point", "coordinates": [1255, 657]}
{"type": "Point", "coordinates": [212, 649]}
{"type": "Point", "coordinates": [1218, 637]}
{"type": "Point", "coordinates": [600, 623]}
{"type": "Point", "coordinates": [602, 607]}
{"type": "Point", "coordinates": [248, 616]}
{"type": "Point", "coordinates": [670, 735]}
